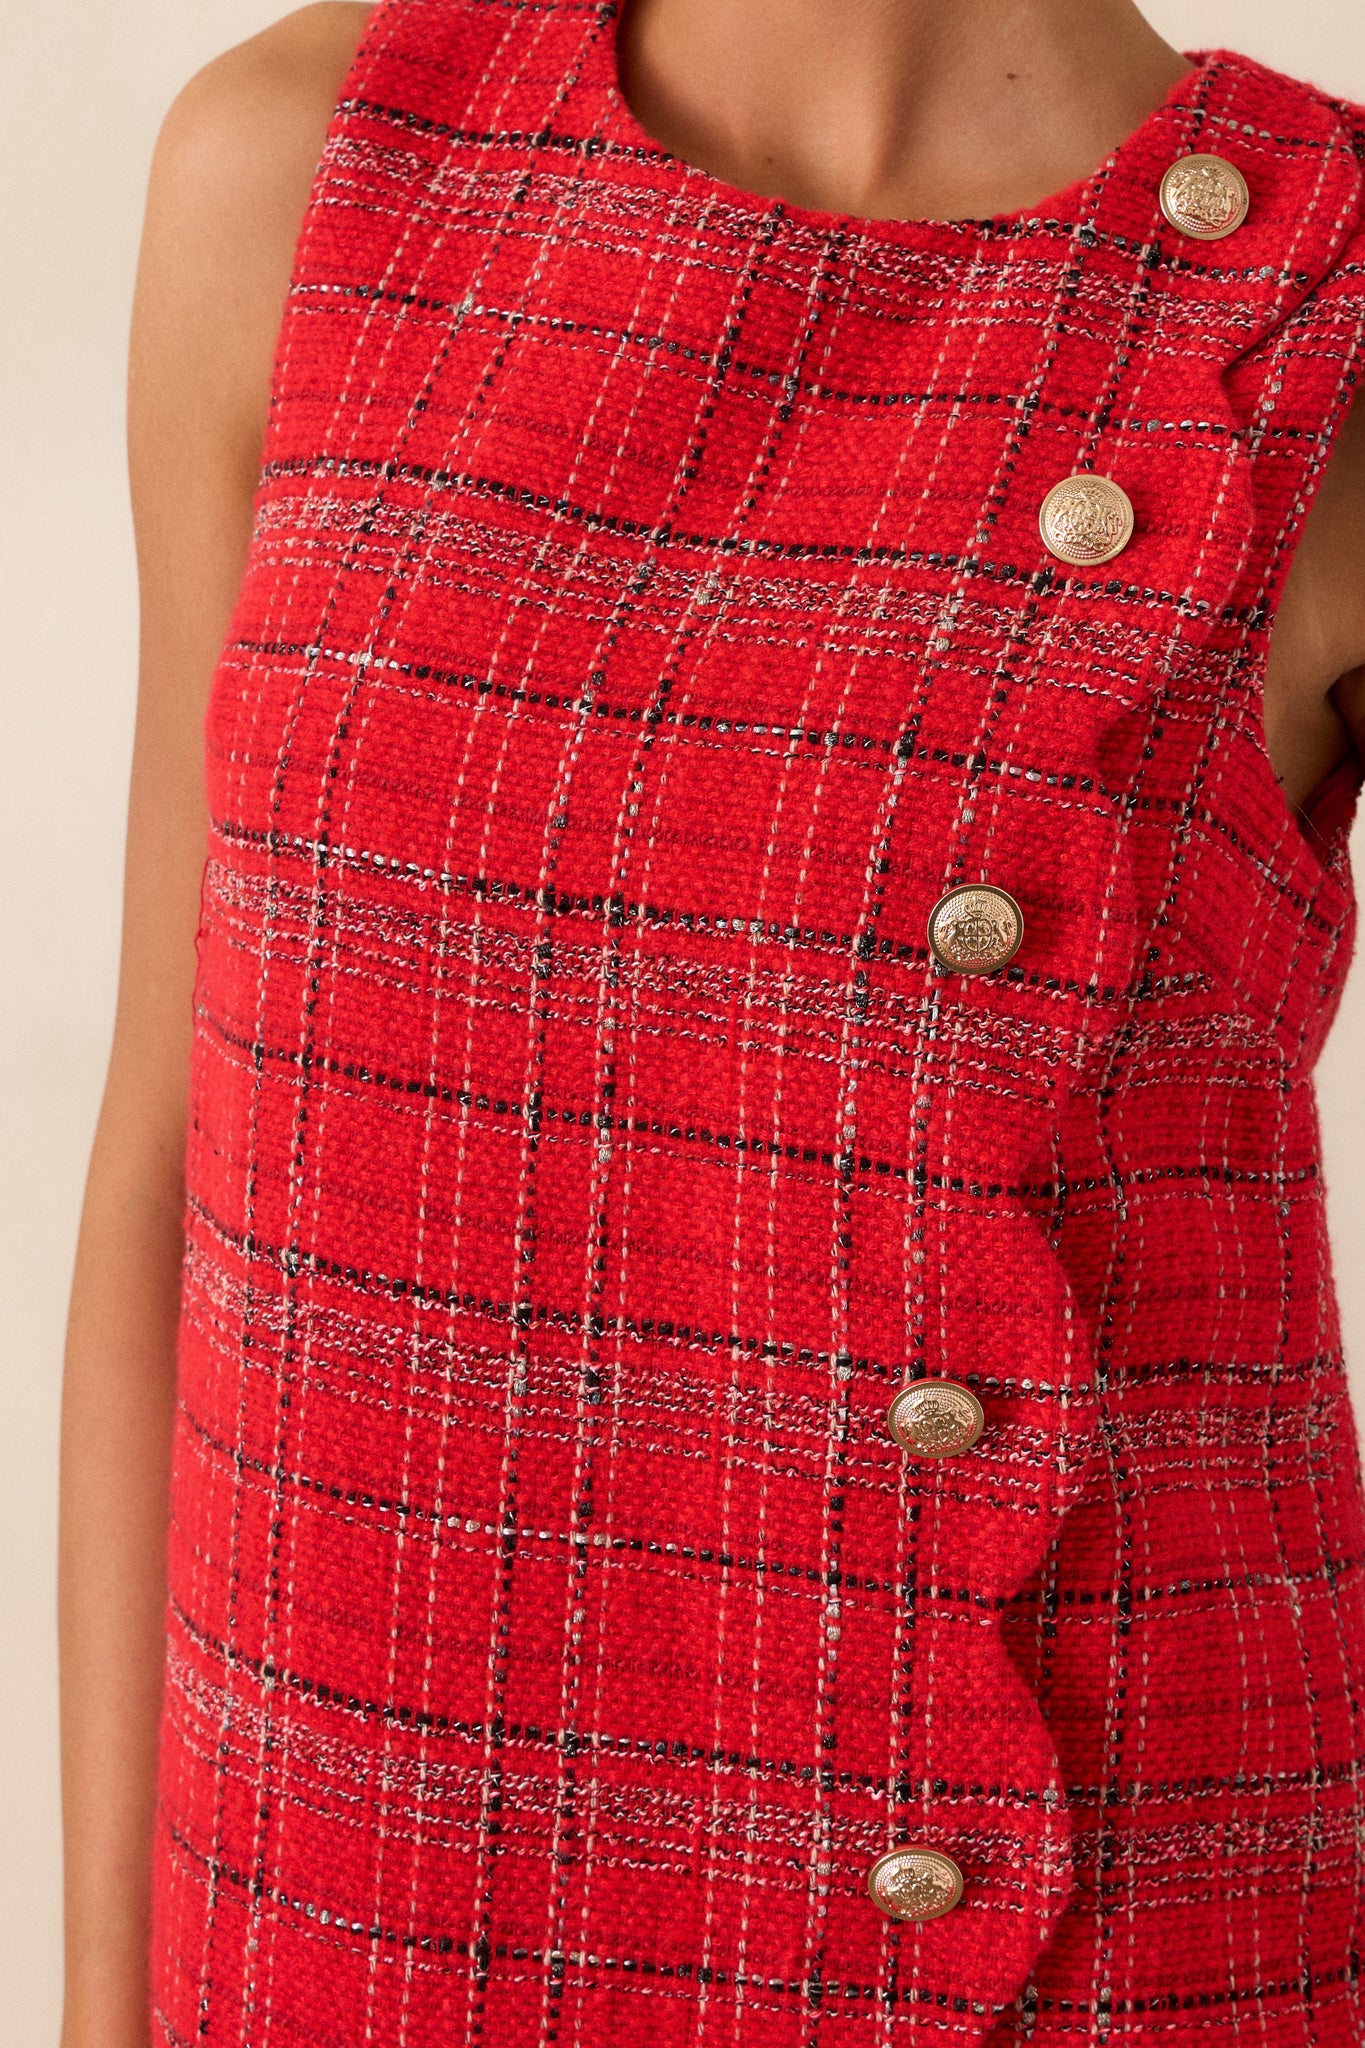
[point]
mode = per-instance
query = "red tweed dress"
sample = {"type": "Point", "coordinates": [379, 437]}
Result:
{"type": "Point", "coordinates": [647, 622]}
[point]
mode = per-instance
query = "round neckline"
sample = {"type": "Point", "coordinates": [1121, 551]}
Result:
{"type": "Point", "coordinates": [622, 126]}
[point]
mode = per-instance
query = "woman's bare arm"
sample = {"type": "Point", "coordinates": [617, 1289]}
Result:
{"type": "Point", "coordinates": [230, 180]}
{"type": "Point", "coordinates": [1315, 680]}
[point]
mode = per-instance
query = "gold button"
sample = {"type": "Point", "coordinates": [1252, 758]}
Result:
{"type": "Point", "coordinates": [975, 929]}
{"type": "Point", "coordinates": [1086, 520]}
{"type": "Point", "coordinates": [1204, 197]}
{"type": "Point", "coordinates": [936, 1419]}
{"type": "Point", "coordinates": [915, 1884]}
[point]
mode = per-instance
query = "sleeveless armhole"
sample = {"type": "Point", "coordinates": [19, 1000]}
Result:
{"type": "Point", "coordinates": [367, 51]}
{"type": "Point", "coordinates": [1314, 364]}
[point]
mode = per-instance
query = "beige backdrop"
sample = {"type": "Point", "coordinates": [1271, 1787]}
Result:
{"type": "Point", "coordinates": [90, 81]}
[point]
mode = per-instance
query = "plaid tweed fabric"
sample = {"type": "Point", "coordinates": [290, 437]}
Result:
{"type": "Point", "coordinates": [646, 622]}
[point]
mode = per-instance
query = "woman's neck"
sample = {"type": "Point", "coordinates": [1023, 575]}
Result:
{"type": "Point", "coordinates": [894, 108]}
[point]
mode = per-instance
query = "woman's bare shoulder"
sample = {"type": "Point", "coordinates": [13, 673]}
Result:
{"type": "Point", "coordinates": [295, 66]}
{"type": "Point", "coordinates": [231, 174]}
{"type": "Point", "coordinates": [249, 128]}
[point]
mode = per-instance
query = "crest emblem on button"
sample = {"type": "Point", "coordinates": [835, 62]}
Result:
{"type": "Point", "coordinates": [915, 1884]}
{"type": "Point", "coordinates": [936, 1419]}
{"type": "Point", "coordinates": [975, 929]}
{"type": "Point", "coordinates": [1086, 520]}
{"type": "Point", "coordinates": [1204, 197]}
